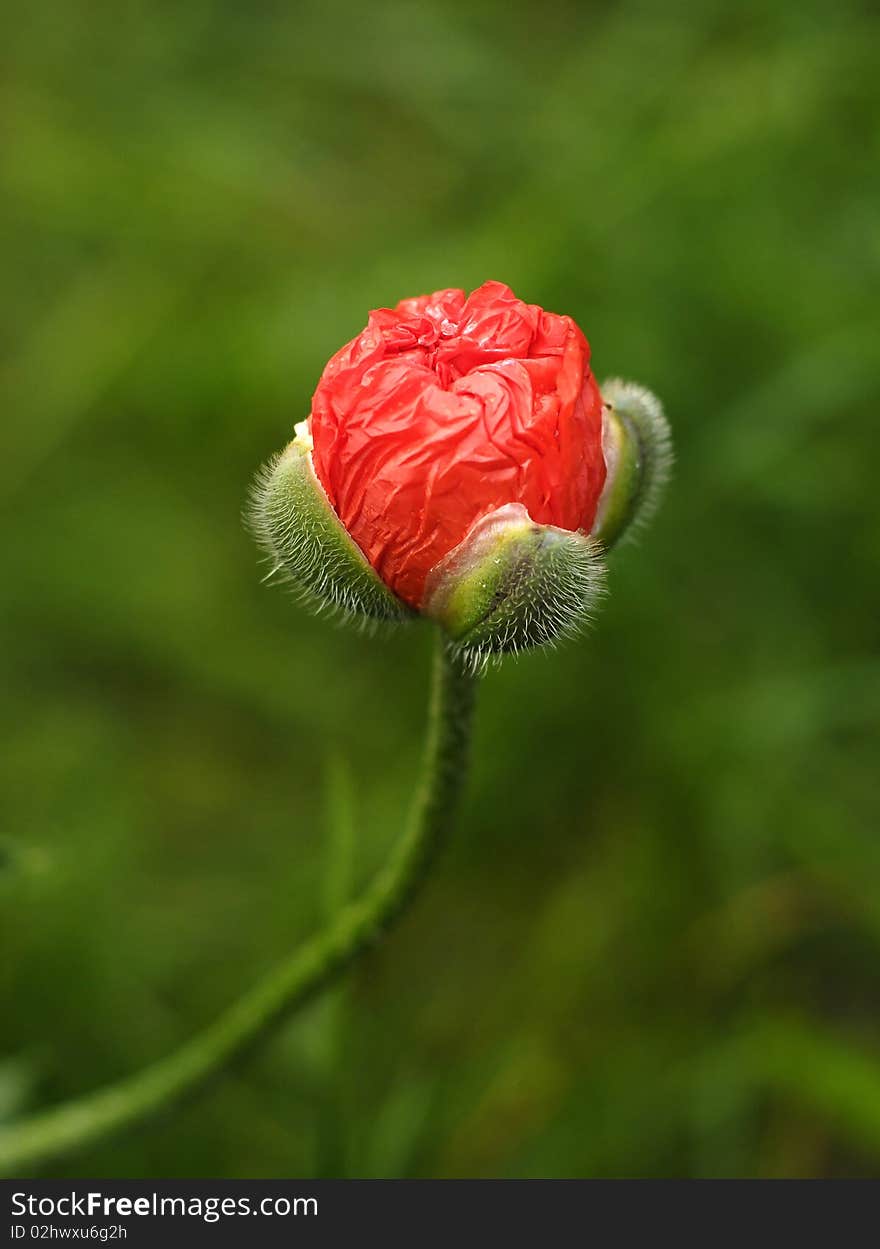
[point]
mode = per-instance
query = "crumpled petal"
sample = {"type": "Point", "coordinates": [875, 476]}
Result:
{"type": "Point", "coordinates": [446, 408]}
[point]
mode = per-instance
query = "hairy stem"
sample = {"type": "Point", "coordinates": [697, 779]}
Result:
{"type": "Point", "coordinates": [55, 1132]}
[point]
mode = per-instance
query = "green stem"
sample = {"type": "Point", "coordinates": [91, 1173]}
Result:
{"type": "Point", "coordinates": [55, 1132]}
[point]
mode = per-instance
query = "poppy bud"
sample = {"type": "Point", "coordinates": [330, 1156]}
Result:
{"type": "Point", "coordinates": [456, 461]}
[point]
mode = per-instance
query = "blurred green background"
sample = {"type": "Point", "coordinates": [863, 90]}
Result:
{"type": "Point", "coordinates": [653, 946]}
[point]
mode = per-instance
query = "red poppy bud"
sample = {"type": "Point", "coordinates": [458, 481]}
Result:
{"type": "Point", "coordinates": [447, 408]}
{"type": "Point", "coordinates": [459, 462]}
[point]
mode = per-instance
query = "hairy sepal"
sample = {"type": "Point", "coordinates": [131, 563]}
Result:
{"type": "Point", "coordinates": [512, 585]}
{"type": "Point", "coordinates": [637, 446]}
{"type": "Point", "coordinates": [295, 524]}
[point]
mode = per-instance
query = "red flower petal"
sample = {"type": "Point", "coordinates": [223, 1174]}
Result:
{"type": "Point", "coordinates": [446, 408]}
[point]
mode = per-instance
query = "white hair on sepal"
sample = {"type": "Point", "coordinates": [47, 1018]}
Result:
{"type": "Point", "coordinates": [309, 550]}
{"type": "Point", "coordinates": [545, 601]}
{"type": "Point", "coordinates": [642, 416]}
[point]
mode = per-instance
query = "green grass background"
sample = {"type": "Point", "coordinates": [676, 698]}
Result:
{"type": "Point", "coordinates": [653, 946]}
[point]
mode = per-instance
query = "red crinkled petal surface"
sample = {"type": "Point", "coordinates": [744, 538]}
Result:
{"type": "Point", "coordinates": [446, 408]}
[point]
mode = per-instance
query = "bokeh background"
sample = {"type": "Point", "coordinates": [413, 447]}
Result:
{"type": "Point", "coordinates": [653, 945]}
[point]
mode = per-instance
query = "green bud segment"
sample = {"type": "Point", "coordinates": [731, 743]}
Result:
{"type": "Point", "coordinates": [295, 524]}
{"type": "Point", "coordinates": [512, 585]}
{"type": "Point", "coordinates": [638, 453]}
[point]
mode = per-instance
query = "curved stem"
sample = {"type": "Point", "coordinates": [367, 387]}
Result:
{"type": "Point", "coordinates": [73, 1124]}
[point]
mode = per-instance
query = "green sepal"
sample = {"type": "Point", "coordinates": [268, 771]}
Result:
{"type": "Point", "coordinates": [512, 585]}
{"type": "Point", "coordinates": [638, 452]}
{"type": "Point", "coordinates": [294, 522]}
